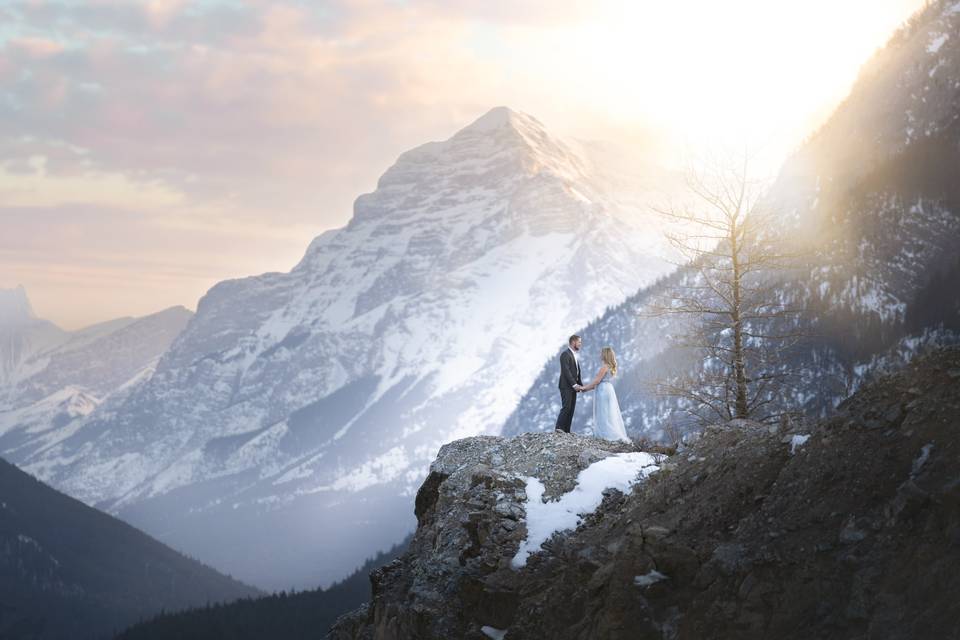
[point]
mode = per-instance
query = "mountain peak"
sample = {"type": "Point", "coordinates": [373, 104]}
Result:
{"type": "Point", "coordinates": [15, 306]}
{"type": "Point", "coordinates": [497, 118]}
{"type": "Point", "coordinates": [500, 119]}
{"type": "Point", "coordinates": [495, 150]}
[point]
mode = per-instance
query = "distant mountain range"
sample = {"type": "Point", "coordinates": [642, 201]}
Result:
{"type": "Point", "coordinates": [50, 379]}
{"type": "Point", "coordinates": [875, 194]}
{"type": "Point", "coordinates": [70, 572]}
{"type": "Point", "coordinates": [285, 431]}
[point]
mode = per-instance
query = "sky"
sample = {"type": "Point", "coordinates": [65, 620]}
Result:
{"type": "Point", "coordinates": [151, 149]}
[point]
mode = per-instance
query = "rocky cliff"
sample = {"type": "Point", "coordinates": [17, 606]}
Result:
{"type": "Point", "coordinates": [845, 528]}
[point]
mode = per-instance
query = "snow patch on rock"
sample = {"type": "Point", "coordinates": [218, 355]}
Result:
{"type": "Point", "coordinates": [619, 471]}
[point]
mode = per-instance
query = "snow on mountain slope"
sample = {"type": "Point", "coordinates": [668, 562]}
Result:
{"type": "Point", "coordinates": [55, 379]}
{"type": "Point", "coordinates": [283, 435]}
{"type": "Point", "coordinates": [876, 193]}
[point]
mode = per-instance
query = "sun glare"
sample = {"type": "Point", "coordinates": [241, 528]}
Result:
{"type": "Point", "coordinates": [737, 72]}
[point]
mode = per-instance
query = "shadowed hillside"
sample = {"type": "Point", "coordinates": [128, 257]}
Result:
{"type": "Point", "coordinates": [69, 571]}
{"type": "Point", "coordinates": [282, 616]}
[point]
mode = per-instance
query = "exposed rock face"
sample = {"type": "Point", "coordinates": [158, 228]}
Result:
{"type": "Point", "coordinates": [849, 528]}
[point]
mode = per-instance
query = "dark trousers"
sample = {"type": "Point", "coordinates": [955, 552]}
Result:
{"type": "Point", "coordinates": [568, 399]}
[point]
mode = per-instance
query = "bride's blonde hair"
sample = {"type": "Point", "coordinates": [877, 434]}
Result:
{"type": "Point", "coordinates": [610, 359]}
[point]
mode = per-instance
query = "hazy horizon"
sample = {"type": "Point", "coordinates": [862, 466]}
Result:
{"type": "Point", "coordinates": [150, 150]}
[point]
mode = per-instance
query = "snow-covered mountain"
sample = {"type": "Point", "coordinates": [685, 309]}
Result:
{"type": "Point", "coordinates": [285, 432]}
{"type": "Point", "coordinates": [876, 194]}
{"type": "Point", "coordinates": [52, 379]}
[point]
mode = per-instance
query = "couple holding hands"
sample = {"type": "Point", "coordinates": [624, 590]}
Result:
{"type": "Point", "coordinates": [607, 420]}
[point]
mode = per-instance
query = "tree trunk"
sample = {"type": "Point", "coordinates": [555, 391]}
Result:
{"type": "Point", "coordinates": [739, 367]}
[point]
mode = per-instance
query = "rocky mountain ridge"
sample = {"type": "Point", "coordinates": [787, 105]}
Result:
{"type": "Point", "coordinates": [51, 380]}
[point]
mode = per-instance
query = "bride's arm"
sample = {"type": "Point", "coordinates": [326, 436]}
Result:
{"type": "Point", "coordinates": [596, 381]}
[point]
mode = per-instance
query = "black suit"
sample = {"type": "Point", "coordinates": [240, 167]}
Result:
{"type": "Point", "coordinates": [569, 376]}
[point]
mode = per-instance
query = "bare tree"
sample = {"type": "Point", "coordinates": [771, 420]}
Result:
{"type": "Point", "coordinates": [737, 324]}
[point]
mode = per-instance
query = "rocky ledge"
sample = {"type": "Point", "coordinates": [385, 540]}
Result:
{"type": "Point", "coordinates": [849, 528]}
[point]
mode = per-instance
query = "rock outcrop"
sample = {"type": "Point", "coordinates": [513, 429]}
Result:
{"type": "Point", "coordinates": [847, 528]}
{"type": "Point", "coordinates": [457, 575]}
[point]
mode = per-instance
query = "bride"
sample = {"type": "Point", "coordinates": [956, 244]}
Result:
{"type": "Point", "coordinates": [607, 421]}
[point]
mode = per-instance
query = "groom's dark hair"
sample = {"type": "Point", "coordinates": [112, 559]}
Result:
{"type": "Point", "coordinates": [572, 338]}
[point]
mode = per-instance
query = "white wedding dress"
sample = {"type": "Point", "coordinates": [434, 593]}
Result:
{"type": "Point", "coordinates": [607, 421]}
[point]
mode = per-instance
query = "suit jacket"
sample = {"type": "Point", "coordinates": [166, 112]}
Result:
{"type": "Point", "coordinates": [569, 371]}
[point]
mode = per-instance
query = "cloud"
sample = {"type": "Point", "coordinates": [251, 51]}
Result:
{"type": "Point", "coordinates": [84, 263]}
{"type": "Point", "coordinates": [35, 48]}
{"type": "Point", "coordinates": [273, 106]}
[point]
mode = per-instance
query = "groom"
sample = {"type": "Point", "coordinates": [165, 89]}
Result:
{"type": "Point", "coordinates": [570, 383]}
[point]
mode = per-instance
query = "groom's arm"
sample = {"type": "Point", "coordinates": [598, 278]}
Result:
{"type": "Point", "coordinates": [568, 370]}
